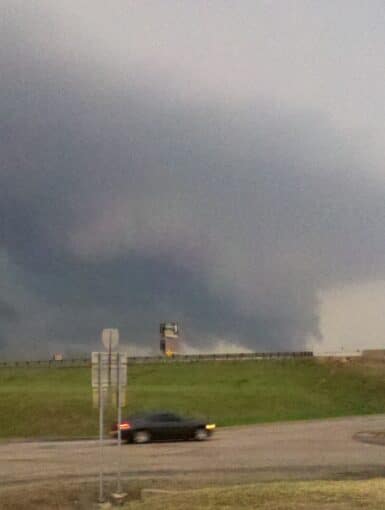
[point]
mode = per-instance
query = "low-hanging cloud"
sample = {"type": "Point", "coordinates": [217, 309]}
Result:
{"type": "Point", "coordinates": [124, 204]}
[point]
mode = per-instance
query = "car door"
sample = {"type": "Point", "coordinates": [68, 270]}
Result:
{"type": "Point", "coordinates": [169, 426]}
{"type": "Point", "coordinates": [155, 424]}
{"type": "Point", "coordinates": [176, 426]}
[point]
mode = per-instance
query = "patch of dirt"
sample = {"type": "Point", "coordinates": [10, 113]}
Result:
{"type": "Point", "coordinates": [377, 437]}
{"type": "Point", "coordinates": [57, 496]}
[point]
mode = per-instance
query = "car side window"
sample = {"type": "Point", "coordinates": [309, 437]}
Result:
{"type": "Point", "coordinates": [166, 417]}
{"type": "Point", "coordinates": [172, 417]}
{"type": "Point", "coordinates": [156, 417]}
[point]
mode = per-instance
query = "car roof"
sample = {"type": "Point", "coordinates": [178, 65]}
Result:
{"type": "Point", "coordinates": [150, 414]}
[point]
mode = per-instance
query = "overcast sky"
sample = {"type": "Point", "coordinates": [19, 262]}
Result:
{"type": "Point", "coordinates": [218, 163]}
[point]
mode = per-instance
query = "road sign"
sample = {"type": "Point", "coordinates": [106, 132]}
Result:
{"type": "Point", "coordinates": [109, 370]}
{"type": "Point", "coordinates": [109, 378]}
{"type": "Point", "coordinates": [96, 399]}
{"type": "Point", "coordinates": [115, 398]}
{"type": "Point", "coordinates": [110, 338]}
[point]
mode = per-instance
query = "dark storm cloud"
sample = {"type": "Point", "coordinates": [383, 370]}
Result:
{"type": "Point", "coordinates": [7, 312]}
{"type": "Point", "coordinates": [8, 317]}
{"type": "Point", "coordinates": [124, 204]}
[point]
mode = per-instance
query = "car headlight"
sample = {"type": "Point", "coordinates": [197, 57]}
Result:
{"type": "Point", "coordinates": [210, 426]}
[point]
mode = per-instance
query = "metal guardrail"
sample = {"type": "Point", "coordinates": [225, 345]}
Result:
{"type": "Point", "coordinates": [65, 363]}
{"type": "Point", "coordinates": [186, 358]}
{"type": "Point", "coordinates": [219, 357]}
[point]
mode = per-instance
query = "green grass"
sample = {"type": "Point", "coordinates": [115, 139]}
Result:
{"type": "Point", "coordinates": [293, 495]}
{"type": "Point", "coordinates": [51, 402]}
{"type": "Point", "coordinates": [324, 495]}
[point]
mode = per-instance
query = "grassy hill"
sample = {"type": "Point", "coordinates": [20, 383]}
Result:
{"type": "Point", "coordinates": [53, 402]}
{"type": "Point", "coordinates": [323, 495]}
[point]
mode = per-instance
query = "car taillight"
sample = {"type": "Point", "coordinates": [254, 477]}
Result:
{"type": "Point", "coordinates": [125, 425]}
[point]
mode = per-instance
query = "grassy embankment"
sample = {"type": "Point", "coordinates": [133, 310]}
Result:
{"type": "Point", "coordinates": [324, 495]}
{"type": "Point", "coordinates": [53, 402]}
{"type": "Point", "coordinates": [314, 495]}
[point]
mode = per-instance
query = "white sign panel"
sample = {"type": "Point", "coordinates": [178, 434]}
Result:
{"type": "Point", "coordinates": [110, 338]}
{"type": "Point", "coordinates": [107, 373]}
{"type": "Point", "coordinates": [114, 397]}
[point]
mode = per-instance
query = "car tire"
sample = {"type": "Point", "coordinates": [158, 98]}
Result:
{"type": "Point", "coordinates": [201, 434]}
{"type": "Point", "coordinates": [141, 437]}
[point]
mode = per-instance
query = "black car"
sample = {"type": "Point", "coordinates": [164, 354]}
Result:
{"type": "Point", "coordinates": [162, 426]}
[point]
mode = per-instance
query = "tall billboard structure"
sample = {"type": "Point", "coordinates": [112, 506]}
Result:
{"type": "Point", "coordinates": [169, 338]}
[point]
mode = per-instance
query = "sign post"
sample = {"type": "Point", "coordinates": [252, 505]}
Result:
{"type": "Point", "coordinates": [99, 389]}
{"type": "Point", "coordinates": [119, 483]}
{"type": "Point", "coordinates": [101, 425]}
{"type": "Point", "coordinates": [109, 372]}
{"type": "Point", "coordinates": [110, 340]}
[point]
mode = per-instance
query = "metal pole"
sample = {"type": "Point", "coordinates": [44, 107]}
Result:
{"type": "Point", "coordinates": [109, 359]}
{"type": "Point", "coordinates": [119, 486]}
{"type": "Point", "coordinates": [101, 411]}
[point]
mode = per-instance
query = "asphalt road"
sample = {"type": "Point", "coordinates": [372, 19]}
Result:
{"type": "Point", "coordinates": [311, 449]}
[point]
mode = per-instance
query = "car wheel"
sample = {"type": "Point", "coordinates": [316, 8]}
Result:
{"type": "Point", "coordinates": [201, 434]}
{"type": "Point", "coordinates": [141, 437]}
